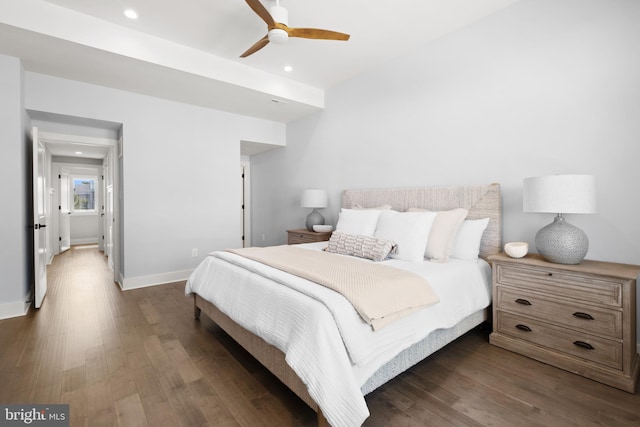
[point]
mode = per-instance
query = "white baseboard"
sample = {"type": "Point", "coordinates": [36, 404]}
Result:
{"type": "Point", "coordinates": [153, 279]}
{"type": "Point", "coordinates": [14, 309]}
{"type": "Point", "coordinates": [84, 241]}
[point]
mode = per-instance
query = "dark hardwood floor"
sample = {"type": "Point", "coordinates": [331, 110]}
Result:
{"type": "Point", "coordinates": [139, 358]}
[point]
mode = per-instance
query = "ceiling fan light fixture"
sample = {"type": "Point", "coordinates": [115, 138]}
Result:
{"type": "Point", "coordinates": [278, 36]}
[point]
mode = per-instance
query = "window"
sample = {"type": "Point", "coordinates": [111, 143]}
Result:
{"type": "Point", "coordinates": [84, 194]}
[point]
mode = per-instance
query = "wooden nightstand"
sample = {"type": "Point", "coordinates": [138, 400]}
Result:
{"type": "Point", "coordinates": [303, 235]}
{"type": "Point", "coordinates": [581, 318]}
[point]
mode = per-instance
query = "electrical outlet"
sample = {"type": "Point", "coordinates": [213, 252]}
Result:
{"type": "Point", "coordinates": [264, 238]}
{"type": "Point", "coordinates": [194, 252]}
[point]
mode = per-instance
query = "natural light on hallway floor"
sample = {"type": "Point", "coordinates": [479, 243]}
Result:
{"type": "Point", "coordinates": [133, 358]}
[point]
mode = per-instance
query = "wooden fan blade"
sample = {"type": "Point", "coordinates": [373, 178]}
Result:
{"type": "Point", "coordinates": [262, 12]}
{"type": "Point", "coordinates": [314, 33]}
{"type": "Point", "coordinates": [256, 47]}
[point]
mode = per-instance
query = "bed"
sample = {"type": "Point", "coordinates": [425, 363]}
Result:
{"type": "Point", "coordinates": [313, 356]}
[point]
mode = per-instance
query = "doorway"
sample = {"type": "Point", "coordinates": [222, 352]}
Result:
{"type": "Point", "coordinates": [82, 162]}
{"type": "Point", "coordinates": [79, 192]}
{"type": "Point", "coordinates": [83, 181]}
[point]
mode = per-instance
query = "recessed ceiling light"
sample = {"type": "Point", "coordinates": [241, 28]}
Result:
{"type": "Point", "coordinates": [78, 152]}
{"type": "Point", "coordinates": [131, 14]}
{"type": "Point", "coordinates": [288, 68]}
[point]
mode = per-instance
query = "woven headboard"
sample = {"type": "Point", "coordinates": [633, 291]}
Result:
{"type": "Point", "coordinates": [482, 201]}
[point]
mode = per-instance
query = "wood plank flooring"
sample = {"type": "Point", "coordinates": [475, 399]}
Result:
{"type": "Point", "coordinates": [138, 358]}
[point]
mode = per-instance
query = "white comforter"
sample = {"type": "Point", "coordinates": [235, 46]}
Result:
{"type": "Point", "coordinates": [326, 343]}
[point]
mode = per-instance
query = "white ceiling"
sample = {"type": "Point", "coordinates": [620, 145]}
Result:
{"type": "Point", "coordinates": [76, 149]}
{"type": "Point", "coordinates": [189, 50]}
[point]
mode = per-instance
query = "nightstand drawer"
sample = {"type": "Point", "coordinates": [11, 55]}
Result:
{"type": "Point", "coordinates": [564, 284]}
{"type": "Point", "coordinates": [599, 350]}
{"type": "Point", "coordinates": [295, 237]}
{"type": "Point", "coordinates": [299, 238]}
{"type": "Point", "coordinates": [589, 319]}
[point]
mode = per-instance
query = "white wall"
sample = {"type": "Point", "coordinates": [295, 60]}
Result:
{"type": "Point", "coordinates": [84, 229]}
{"type": "Point", "coordinates": [15, 261]}
{"type": "Point", "coordinates": [542, 87]}
{"type": "Point", "coordinates": [179, 161]}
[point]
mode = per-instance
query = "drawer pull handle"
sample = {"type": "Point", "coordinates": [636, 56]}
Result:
{"type": "Point", "coordinates": [524, 328]}
{"type": "Point", "coordinates": [584, 345]}
{"type": "Point", "coordinates": [585, 316]}
{"type": "Point", "coordinates": [523, 301]}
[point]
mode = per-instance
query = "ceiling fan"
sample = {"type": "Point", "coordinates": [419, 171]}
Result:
{"type": "Point", "coordinates": [277, 18]}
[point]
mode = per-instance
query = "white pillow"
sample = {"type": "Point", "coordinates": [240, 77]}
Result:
{"type": "Point", "coordinates": [360, 222]}
{"type": "Point", "coordinates": [410, 231]}
{"type": "Point", "coordinates": [443, 232]}
{"type": "Point", "coordinates": [467, 245]}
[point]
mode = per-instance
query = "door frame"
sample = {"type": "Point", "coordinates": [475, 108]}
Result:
{"type": "Point", "coordinates": [75, 171]}
{"type": "Point", "coordinates": [62, 171]}
{"type": "Point", "coordinates": [114, 152]}
{"type": "Point", "coordinates": [245, 167]}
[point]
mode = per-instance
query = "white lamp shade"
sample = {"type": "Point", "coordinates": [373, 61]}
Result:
{"type": "Point", "coordinates": [560, 194]}
{"type": "Point", "coordinates": [314, 199]}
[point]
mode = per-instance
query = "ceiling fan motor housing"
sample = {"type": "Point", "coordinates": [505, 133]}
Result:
{"type": "Point", "coordinates": [280, 15]}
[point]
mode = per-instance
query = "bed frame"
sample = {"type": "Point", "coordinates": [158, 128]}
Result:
{"type": "Point", "coordinates": [481, 201]}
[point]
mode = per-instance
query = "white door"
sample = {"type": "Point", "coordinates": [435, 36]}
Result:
{"type": "Point", "coordinates": [244, 244]}
{"type": "Point", "coordinates": [246, 200]}
{"type": "Point", "coordinates": [108, 244]}
{"type": "Point", "coordinates": [65, 213]}
{"type": "Point", "coordinates": [100, 205]}
{"type": "Point", "coordinates": [39, 219]}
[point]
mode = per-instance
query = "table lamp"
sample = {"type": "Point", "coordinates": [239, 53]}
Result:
{"type": "Point", "coordinates": [314, 199]}
{"type": "Point", "coordinates": [560, 242]}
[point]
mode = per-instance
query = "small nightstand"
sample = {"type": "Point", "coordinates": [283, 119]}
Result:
{"type": "Point", "coordinates": [581, 318]}
{"type": "Point", "coordinates": [303, 235]}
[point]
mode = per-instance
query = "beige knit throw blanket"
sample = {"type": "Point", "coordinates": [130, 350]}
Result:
{"type": "Point", "coordinates": [379, 293]}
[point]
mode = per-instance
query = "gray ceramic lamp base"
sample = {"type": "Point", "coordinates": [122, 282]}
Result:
{"type": "Point", "coordinates": [562, 243]}
{"type": "Point", "coordinates": [314, 218]}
